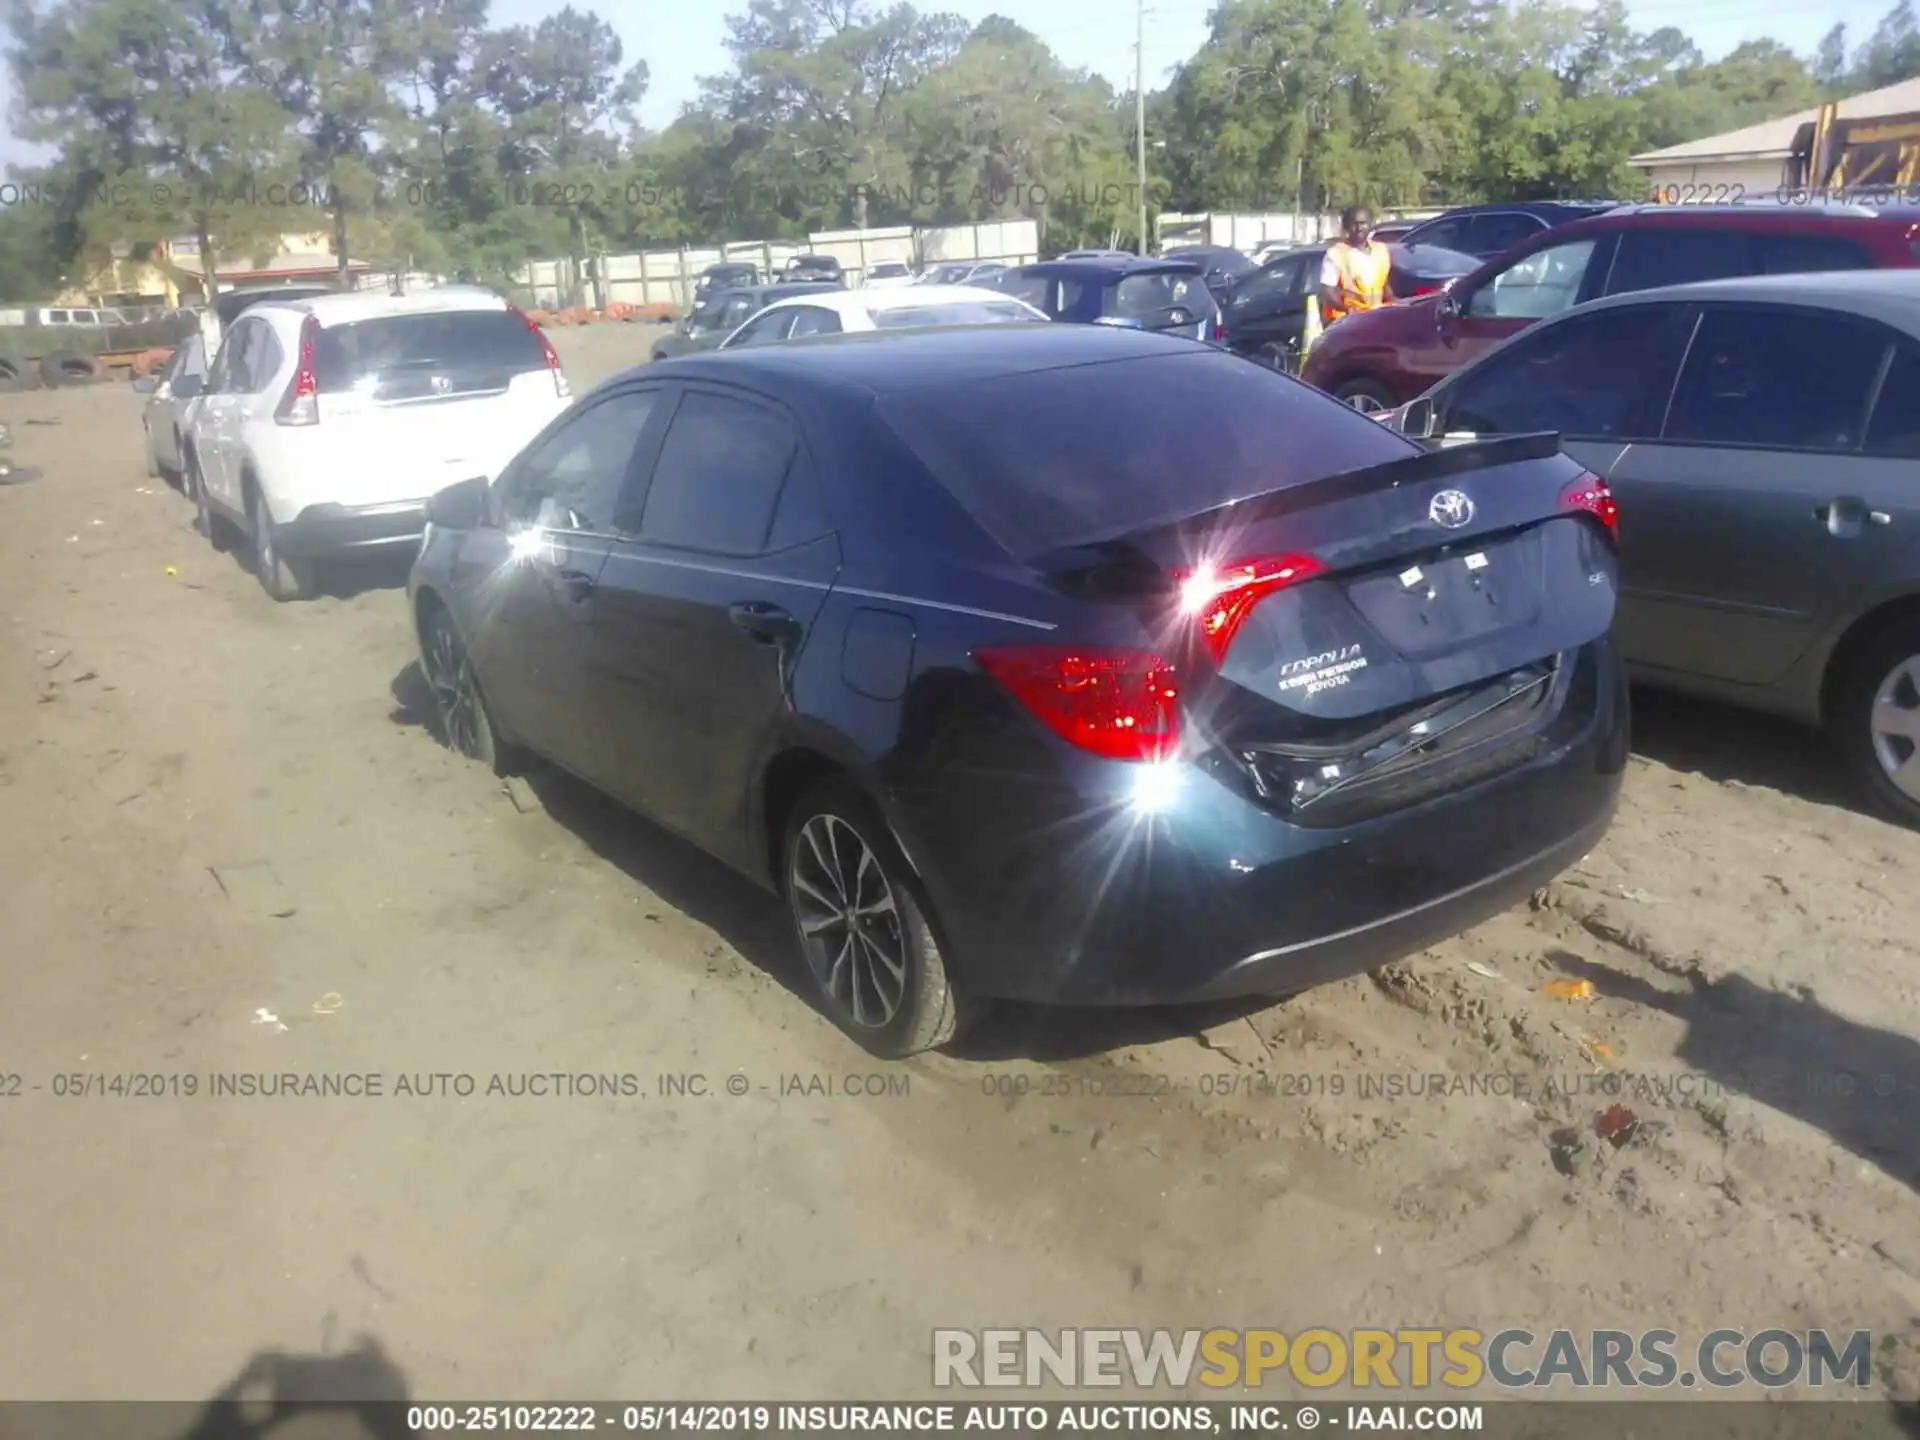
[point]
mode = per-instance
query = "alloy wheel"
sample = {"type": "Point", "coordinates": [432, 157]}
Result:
{"type": "Point", "coordinates": [849, 920]}
{"type": "Point", "coordinates": [1894, 721]}
{"type": "Point", "coordinates": [1366, 404]}
{"type": "Point", "coordinates": [455, 692]}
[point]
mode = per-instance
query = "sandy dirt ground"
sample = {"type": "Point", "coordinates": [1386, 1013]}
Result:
{"type": "Point", "coordinates": [229, 846]}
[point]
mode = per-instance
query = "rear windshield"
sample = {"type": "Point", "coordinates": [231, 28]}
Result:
{"type": "Point", "coordinates": [957, 312]}
{"type": "Point", "coordinates": [494, 341]}
{"type": "Point", "coordinates": [1093, 452]}
{"type": "Point", "coordinates": [1146, 297]}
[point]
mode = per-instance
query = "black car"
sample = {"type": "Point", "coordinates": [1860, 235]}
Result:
{"type": "Point", "coordinates": [1169, 296]}
{"type": "Point", "coordinates": [730, 275]}
{"type": "Point", "coordinates": [725, 311]}
{"type": "Point", "coordinates": [1224, 267]}
{"type": "Point", "coordinates": [1050, 662]}
{"type": "Point", "coordinates": [804, 268]}
{"type": "Point", "coordinates": [1489, 230]}
{"type": "Point", "coordinates": [1267, 315]}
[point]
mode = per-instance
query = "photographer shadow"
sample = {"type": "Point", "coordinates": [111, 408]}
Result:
{"type": "Point", "coordinates": [358, 1395]}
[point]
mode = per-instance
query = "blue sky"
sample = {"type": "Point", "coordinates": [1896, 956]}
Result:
{"type": "Point", "coordinates": [682, 42]}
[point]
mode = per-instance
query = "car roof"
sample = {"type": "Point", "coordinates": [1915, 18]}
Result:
{"type": "Point", "coordinates": [349, 307]}
{"type": "Point", "coordinates": [1892, 295]}
{"type": "Point", "coordinates": [881, 362]}
{"type": "Point", "coordinates": [1106, 266]}
{"type": "Point", "coordinates": [1525, 207]}
{"type": "Point", "coordinates": [762, 291]}
{"type": "Point", "coordinates": [893, 298]}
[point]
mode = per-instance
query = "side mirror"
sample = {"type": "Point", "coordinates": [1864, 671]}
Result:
{"type": "Point", "coordinates": [187, 387]}
{"type": "Point", "coordinates": [1180, 315]}
{"type": "Point", "coordinates": [461, 506]}
{"type": "Point", "coordinates": [1449, 308]}
{"type": "Point", "coordinates": [1416, 419]}
{"type": "Point", "coordinates": [146, 384]}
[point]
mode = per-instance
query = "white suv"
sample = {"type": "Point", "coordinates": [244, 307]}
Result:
{"type": "Point", "coordinates": [327, 423]}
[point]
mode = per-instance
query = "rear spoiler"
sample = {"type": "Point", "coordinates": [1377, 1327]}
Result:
{"type": "Point", "coordinates": [1420, 468]}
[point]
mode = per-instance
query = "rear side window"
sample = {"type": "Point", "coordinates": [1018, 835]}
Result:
{"type": "Point", "coordinates": [1894, 430]}
{"type": "Point", "coordinates": [719, 476]}
{"type": "Point", "coordinates": [1030, 288]}
{"type": "Point", "coordinates": [1148, 297]}
{"type": "Point", "coordinates": [1803, 254]}
{"type": "Point", "coordinates": [1602, 375]}
{"type": "Point", "coordinates": [1654, 257]}
{"type": "Point", "coordinates": [1491, 234]}
{"type": "Point", "coordinates": [1088, 452]}
{"type": "Point", "coordinates": [491, 343]}
{"type": "Point", "coordinates": [813, 320]}
{"type": "Point", "coordinates": [1778, 379]}
{"type": "Point", "coordinates": [1447, 234]}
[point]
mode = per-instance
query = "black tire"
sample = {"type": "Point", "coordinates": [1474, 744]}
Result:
{"type": "Point", "coordinates": [1368, 396]}
{"type": "Point", "coordinates": [68, 367]}
{"type": "Point", "coordinates": [466, 725]}
{"type": "Point", "coordinates": [153, 459]}
{"type": "Point", "coordinates": [820, 866]}
{"type": "Point", "coordinates": [282, 578]}
{"type": "Point", "coordinates": [13, 379]}
{"type": "Point", "coordinates": [1888, 667]}
{"type": "Point", "coordinates": [206, 519]}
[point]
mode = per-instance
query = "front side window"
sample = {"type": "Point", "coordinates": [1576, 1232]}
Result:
{"type": "Point", "coordinates": [1605, 375]}
{"type": "Point", "coordinates": [575, 479]}
{"type": "Point", "coordinates": [1542, 284]}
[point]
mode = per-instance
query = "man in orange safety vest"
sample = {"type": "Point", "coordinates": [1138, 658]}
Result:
{"type": "Point", "coordinates": [1353, 276]}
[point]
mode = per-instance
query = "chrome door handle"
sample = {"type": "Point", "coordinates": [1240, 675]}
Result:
{"type": "Point", "coordinates": [1879, 517]}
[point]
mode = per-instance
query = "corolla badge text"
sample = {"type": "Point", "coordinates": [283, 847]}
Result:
{"type": "Point", "coordinates": [1450, 509]}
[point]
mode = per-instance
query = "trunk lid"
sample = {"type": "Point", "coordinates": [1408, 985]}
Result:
{"type": "Point", "coordinates": [1425, 610]}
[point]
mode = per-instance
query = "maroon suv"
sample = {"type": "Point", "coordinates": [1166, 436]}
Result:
{"type": "Point", "coordinates": [1382, 358]}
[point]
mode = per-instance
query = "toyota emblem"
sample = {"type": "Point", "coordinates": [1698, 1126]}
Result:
{"type": "Point", "coordinates": [442, 385]}
{"type": "Point", "coordinates": [1450, 509]}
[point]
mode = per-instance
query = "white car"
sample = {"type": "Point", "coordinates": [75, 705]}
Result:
{"type": "Point", "coordinates": [327, 423]}
{"type": "Point", "coordinates": [888, 274]}
{"type": "Point", "coordinates": [170, 396]}
{"type": "Point", "coordinates": [837, 312]}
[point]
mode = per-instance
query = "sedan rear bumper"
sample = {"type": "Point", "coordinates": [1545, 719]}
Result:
{"type": "Point", "coordinates": [1049, 892]}
{"type": "Point", "coordinates": [322, 530]}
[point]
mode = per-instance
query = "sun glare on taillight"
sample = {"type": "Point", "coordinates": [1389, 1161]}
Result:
{"type": "Point", "coordinates": [1119, 703]}
{"type": "Point", "coordinates": [1591, 494]}
{"type": "Point", "coordinates": [301, 404]}
{"type": "Point", "coordinates": [1220, 597]}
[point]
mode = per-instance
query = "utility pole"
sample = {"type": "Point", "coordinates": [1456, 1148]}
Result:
{"type": "Point", "coordinates": [1140, 112]}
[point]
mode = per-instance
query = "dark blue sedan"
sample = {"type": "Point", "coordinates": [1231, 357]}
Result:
{"type": "Point", "coordinates": [1046, 662]}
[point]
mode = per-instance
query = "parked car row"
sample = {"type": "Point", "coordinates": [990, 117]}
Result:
{"type": "Point", "coordinates": [1747, 380]}
{"type": "Point", "coordinates": [939, 632]}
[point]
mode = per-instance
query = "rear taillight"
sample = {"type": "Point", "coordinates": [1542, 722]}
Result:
{"type": "Point", "coordinates": [1219, 330]}
{"type": "Point", "coordinates": [1591, 494]}
{"type": "Point", "coordinates": [301, 404]}
{"type": "Point", "coordinates": [1220, 597]}
{"type": "Point", "coordinates": [1118, 703]}
{"type": "Point", "coordinates": [560, 386]}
